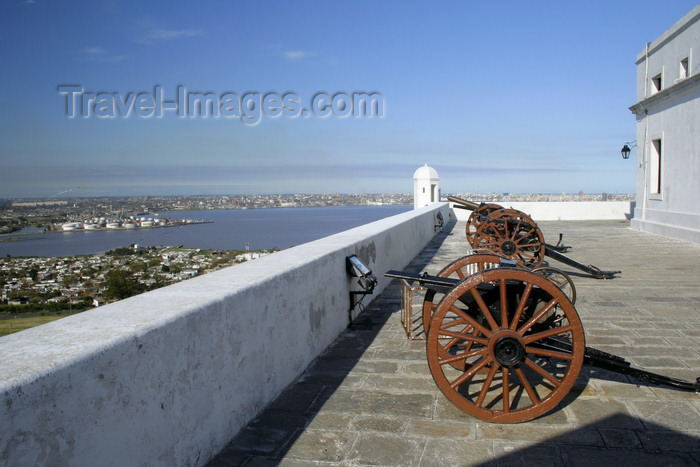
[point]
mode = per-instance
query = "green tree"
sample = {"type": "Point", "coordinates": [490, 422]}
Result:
{"type": "Point", "coordinates": [137, 266]}
{"type": "Point", "coordinates": [120, 284]}
{"type": "Point", "coordinates": [160, 281]}
{"type": "Point", "coordinates": [123, 251]}
{"type": "Point", "coordinates": [70, 279]}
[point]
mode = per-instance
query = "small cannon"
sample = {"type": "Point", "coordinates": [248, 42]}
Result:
{"type": "Point", "coordinates": [515, 235]}
{"type": "Point", "coordinates": [505, 343]}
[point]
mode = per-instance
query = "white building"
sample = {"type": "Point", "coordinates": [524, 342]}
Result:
{"type": "Point", "coordinates": [426, 187]}
{"type": "Point", "coordinates": [668, 132]}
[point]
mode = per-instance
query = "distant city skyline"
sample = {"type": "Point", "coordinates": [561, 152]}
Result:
{"type": "Point", "coordinates": [132, 98]}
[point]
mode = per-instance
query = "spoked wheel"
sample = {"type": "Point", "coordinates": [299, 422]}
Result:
{"type": "Point", "coordinates": [504, 325]}
{"type": "Point", "coordinates": [513, 234]}
{"type": "Point", "coordinates": [560, 279]}
{"type": "Point", "coordinates": [458, 269]}
{"type": "Point", "coordinates": [477, 217]}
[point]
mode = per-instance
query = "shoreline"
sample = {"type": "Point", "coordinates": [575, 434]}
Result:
{"type": "Point", "coordinates": [7, 237]}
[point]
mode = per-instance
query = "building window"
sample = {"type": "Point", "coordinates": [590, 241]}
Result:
{"type": "Point", "coordinates": [655, 168]}
{"type": "Point", "coordinates": [684, 69]}
{"type": "Point", "coordinates": [656, 83]}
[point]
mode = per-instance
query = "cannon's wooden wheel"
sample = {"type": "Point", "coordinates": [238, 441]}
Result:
{"type": "Point", "coordinates": [513, 234]}
{"type": "Point", "coordinates": [476, 218]}
{"type": "Point", "coordinates": [499, 322]}
{"type": "Point", "coordinates": [560, 279]}
{"type": "Point", "coordinates": [458, 269]}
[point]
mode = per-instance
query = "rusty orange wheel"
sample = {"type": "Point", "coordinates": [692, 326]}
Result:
{"type": "Point", "coordinates": [477, 217]}
{"type": "Point", "coordinates": [458, 269]}
{"type": "Point", "coordinates": [560, 279]}
{"type": "Point", "coordinates": [513, 234]}
{"type": "Point", "coordinates": [526, 345]}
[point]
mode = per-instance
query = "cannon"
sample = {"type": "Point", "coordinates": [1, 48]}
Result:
{"type": "Point", "coordinates": [471, 264]}
{"type": "Point", "coordinates": [513, 234]}
{"type": "Point", "coordinates": [505, 343]}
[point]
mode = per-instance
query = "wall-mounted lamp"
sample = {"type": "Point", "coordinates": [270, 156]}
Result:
{"type": "Point", "coordinates": [626, 149]}
{"type": "Point", "coordinates": [367, 280]}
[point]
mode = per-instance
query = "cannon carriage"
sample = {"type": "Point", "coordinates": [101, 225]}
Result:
{"type": "Point", "coordinates": [515, 235]}
{"type": "Point", "coordinates": [504, 341]}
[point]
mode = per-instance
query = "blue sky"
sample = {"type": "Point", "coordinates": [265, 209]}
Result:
{"type": "Point", "coordinates": [496, 96]}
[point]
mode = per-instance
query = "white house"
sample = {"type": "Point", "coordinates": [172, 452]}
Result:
{"type": "Point", "coordinates": [668, 132]}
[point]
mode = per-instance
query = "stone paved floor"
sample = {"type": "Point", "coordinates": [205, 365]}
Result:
{"type": "Point", "coordinates": [370, 398]}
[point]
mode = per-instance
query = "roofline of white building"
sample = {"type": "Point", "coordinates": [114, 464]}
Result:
{"type": "Point", "coordinates": [681, 25]}
{"type": "Point", "coordinates": [660, 97]}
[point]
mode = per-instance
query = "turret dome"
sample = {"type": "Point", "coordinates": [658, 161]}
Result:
{"type": "Point", "coordinates": [425, 173]}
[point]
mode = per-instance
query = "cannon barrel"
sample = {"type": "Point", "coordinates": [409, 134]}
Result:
{"type": "Point", "coordinates": [463, 202]}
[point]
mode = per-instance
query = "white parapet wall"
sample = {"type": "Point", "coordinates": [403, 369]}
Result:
{"type": "Point", "coordinates": [168, 377]}
{"type": "Point", "coordinates": [566, 210]}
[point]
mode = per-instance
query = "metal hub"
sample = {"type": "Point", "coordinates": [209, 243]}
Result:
{"type": "Point", "coordinates": [508, 248]}
{"type": "Point", "coordinates": [508, 351]}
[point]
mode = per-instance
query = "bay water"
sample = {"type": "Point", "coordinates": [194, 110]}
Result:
{"type": "Point", "coordinates": [261, 229]}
